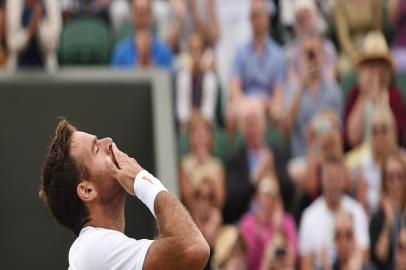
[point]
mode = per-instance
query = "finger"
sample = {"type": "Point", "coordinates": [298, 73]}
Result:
{"type": "Point", "coordinates": [111, 167]}
{"type": "Point", "coordinates": [119, 155]}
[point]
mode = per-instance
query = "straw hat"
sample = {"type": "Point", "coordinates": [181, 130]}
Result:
{"type": "Point", "coordinates": [225, 243]}
{"type": "Point", "coordinates": [374, 47]}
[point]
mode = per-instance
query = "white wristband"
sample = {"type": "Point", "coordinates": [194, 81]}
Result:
{"type": "Point", "coordinates": [146, 188]}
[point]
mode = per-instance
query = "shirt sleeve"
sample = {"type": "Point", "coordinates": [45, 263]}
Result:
{"type": "Point", "coordinates": [237, 71]}
{"type": "Point", "coordinates": [280, 70]}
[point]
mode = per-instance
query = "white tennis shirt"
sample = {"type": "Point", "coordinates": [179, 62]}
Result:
{"type": "Point", "coordinates": [104, 249]}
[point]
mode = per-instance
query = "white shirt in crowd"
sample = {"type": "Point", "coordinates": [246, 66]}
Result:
{"type": "Point", "coordinates": [104, 249]}
{"type": "Point", "coordinates": [372, 176]}
{"type": "Point", "coordinates": [317, 229]}
{"type": "Point", "coordinates": [184, 96]}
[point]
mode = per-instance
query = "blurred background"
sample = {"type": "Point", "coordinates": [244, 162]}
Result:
{"type": "Point", "coordinates": [280, 124]}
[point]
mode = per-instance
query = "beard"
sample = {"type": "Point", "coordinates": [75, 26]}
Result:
{"type": "Point", "coordinates": [109, 189]}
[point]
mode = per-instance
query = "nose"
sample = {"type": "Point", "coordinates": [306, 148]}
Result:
{"type": "Point", "coordinates": [105, 144]}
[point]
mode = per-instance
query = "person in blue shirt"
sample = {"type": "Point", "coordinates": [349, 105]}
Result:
{"type": "Point", "coordinates": [142, 48]}
{"type": "Point", "coordinates": [259, 66]}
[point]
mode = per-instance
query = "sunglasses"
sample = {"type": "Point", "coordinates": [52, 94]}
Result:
{"type": "Point", "coordinates": [343, 234]}
{"type": "Point", "coordinates": [380, 130]}
{"type": "Point", "coordinates": [401, 246]}
{"type": "Point", "coordinates": [396, 175]}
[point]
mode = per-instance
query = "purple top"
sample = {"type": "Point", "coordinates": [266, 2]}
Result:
{"type": "Point", "coordinates": [400, 27]}
{"type": "Point", "coordinates": [257, 236]}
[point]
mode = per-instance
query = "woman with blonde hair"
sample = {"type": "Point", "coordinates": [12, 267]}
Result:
{"type": "Point", "coordinates": [200, 158]}
{"type": "Point", "coordinates": [374, 89]}
{"type": "Point", "coordinates": [383, 141]}
{"type": "Point", "coordinates": [391, 218]}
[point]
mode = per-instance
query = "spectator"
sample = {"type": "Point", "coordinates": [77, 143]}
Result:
{"type": "Point", "coordinates": [251, 161]}
{"type": "Point", "coordinates": [323, 142]}
{"type": "Point", "coordinates": [317, 224]}
{"type": "Point", "coordinates": [353, 20]}
{"type": "Point", "coordinates": [234, 29]}
{"type": "Point", "coordinates": [311, 94]}
{"type": "Point", "coordinates": [204, 211]}
{"type": "Point", "coordinates": [196, 84]}
{"type": "Point", "coordinates": [128, 53]}
{"type": "Point", "coordinates": [349, 256]}
{"type": "Point", "coordinates": [383, 142]}
{"type": "Point", "coordinates": [119, 14]}
{"type": "Point", "coordinates": [397, 18]}
{"type": "Point", "coordinates": [33, 28]}
{"type": "Point", "coordinates": [200, 159]}
{"type": "Point", "coordinates": [277, 254]}
{"type": "Point", "coordinates": [374, 89]}
{"type": "Point", "coordinates": [307, 18]}
{"type": "Point", "coordinates": [189, 16]}
{"type": "Point", "coordinates": [73, 8]}
{"type": "Point", "coordinates": [3, 44]}
{"type": "Point", "coordinates": [386, 224]}
{"type": "Point", "coordinates": [267, 217]}
{"type": "Point", "coordinates": [229, 250]}
{"type": "Point", "coordinates": [314, 13]}
{"type": "Point", "coordinates": [401, 250]}
{"type": "Point", "coordinates": [259, 66]}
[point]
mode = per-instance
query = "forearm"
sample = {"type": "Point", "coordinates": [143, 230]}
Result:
{"type": "Point", "coordinates": [179, 236]}
{"type": "Point", "coordinates": [292, 110]}
{"type": "Point", "coordinates": [354, 125]}
{"type": "Point", "coordinates": [212, 22]}
{"type": "Point", "coordinates": [382, 246]}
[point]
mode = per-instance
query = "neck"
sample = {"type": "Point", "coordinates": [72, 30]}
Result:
{"type": "Point", "coordinates": [255, 147]}
{"type": "Point", "coordinates": [396, 202]}
{"type": "Point", "coordinates": [315, 85]}
{"type": "Point", "coordinates": [332, 204]}
{"type": "Point", "coordinates": [145, 60]}
{"type": "Point", "coordinates": [259, 42]}
{"type": "Point", "coordinates": [201, 154]}
{"type": "Point", "coordinates": [109, 216]}
{"type": "Point", "coordinates": [343, 263]}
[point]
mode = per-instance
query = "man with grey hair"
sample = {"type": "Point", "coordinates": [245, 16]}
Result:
{"type": "Point", "coordinates": [249, 162]}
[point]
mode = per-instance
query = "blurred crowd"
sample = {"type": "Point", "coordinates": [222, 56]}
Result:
{"type": "Point", "coordinates": [290, 115]}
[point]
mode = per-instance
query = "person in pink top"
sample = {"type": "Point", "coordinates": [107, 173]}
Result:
{"type": "Point", "coordinates": [265, 217]}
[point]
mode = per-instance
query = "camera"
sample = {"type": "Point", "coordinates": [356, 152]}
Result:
{"type": "Point", "coordinates": [280, 252]}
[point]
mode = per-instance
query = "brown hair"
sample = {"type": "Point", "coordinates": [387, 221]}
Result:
{"type": "Point", "coordinates": [399, 157]}
{"type": "Point", "coordinates": [195, 120]}
{"type": "Point", "coordinates": [61, 174]}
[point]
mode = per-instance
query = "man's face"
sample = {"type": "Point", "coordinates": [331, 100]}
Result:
{"type": "Point", "coordinates": [344, 237]}
{"type": "Point", "coordinates": [332, 181]}
{"type": "Point", "coordinates": [382, 138]}
{"type": "Point", "coordinates": [305, 19]}
{"type": "Point", "coordinates": [253, 129]}
{"type": "Point", "coordinates": [142, 14]}
{"type": "Point", "coordinates": [259, 17]}
{"type": "Point", "coordinates": [92, 152]}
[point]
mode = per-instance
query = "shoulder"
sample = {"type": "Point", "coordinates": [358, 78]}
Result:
{"type": "Point", "coordinates": [276, 49]}
{"type": "Point", "coordinates": [124, 44]}
{"type": "Point", "coordinates": [314, 211]}
{"type": "Point", "coordinates": [354, 207]}
{"type": "Point", "coordinates": [161, 46]}
{"type": "Point", "coordinates": [98, 248]}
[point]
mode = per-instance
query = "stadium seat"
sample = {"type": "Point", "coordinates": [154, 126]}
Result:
{"type": "Point", "coordinates": [85, 41]}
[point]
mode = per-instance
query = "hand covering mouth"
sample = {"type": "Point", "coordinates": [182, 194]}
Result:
{"type": "Point", "coordinates": [113, 158]}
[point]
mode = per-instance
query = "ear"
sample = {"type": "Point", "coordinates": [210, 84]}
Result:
{"type": "Point", "coordinates": [86, 191]}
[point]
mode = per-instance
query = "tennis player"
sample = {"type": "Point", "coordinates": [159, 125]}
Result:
{"type": "Point", "coordinates": [84, 184]}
